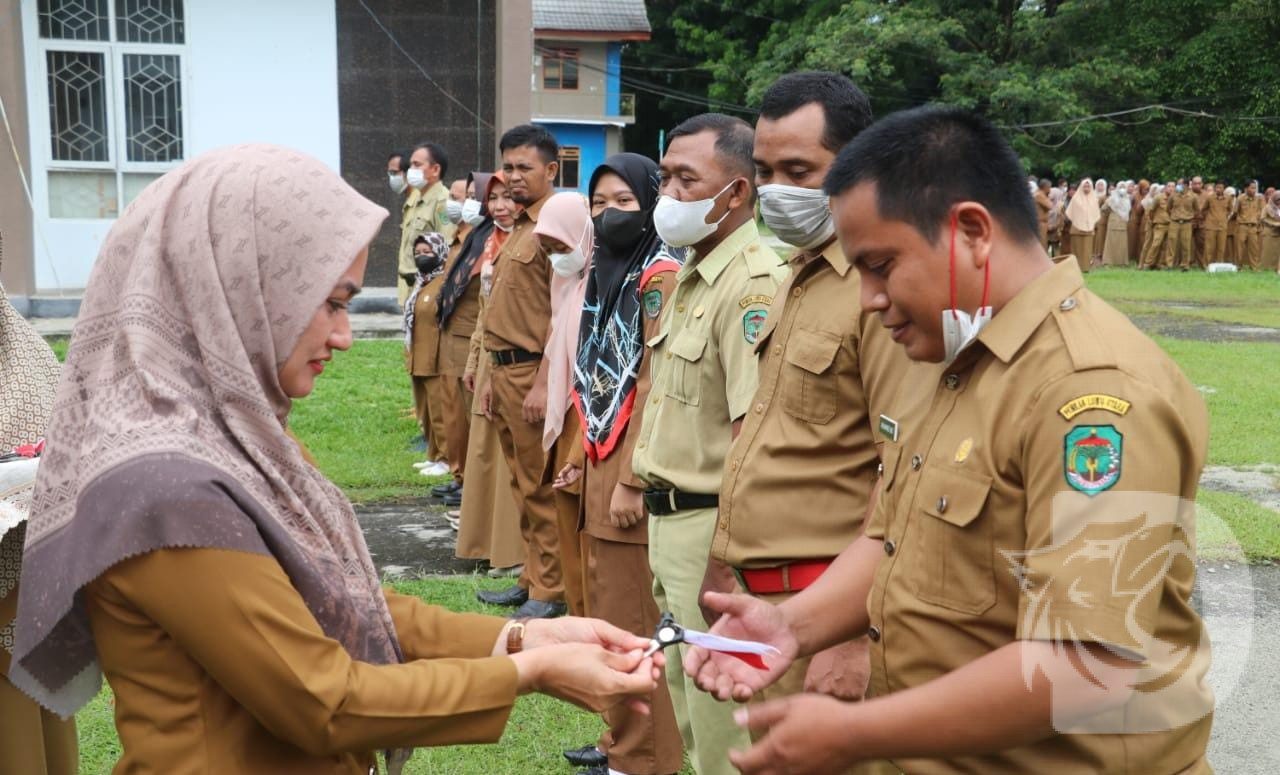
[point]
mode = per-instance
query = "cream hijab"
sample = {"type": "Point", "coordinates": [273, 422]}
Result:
{"type": "Point", "coordinates": [1083, 210]}
{"type": "Point", "coordinates": [170, 388]}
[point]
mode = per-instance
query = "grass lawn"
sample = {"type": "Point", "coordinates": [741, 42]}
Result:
{"type": "Point", "coordinates": [1245, 298]}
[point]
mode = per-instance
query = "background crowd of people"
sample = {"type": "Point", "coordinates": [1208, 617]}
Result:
{"type": "Point", "coordinates": [1175, 225]}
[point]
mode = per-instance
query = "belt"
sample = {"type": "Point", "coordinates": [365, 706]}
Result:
{"type": "Point", "coordinates": [512, 357]}
{"type": "Point", "coordinates": [660, 503]}
{"type": "Point", "coordinates": [786, 578]}
{"type": "Point", "coordinates": [1175, 220]}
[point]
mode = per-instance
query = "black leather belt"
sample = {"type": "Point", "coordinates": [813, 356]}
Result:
{"type": "Point", "coordinates": [512, 357]}
{"type": "Point", "coordinates": [660, 503]}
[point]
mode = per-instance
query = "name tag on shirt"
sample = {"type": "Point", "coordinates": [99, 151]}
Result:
{"type": "Point", "coordinates": [889, 427]}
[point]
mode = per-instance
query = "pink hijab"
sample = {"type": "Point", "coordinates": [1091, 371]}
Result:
{"type": "Point", "coordinates": [168, 426]}
{"type": "Point", "coordinates": [567, 218]}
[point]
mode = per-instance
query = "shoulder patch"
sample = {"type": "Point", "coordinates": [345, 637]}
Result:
{"type": "Point", "coordinates": [759, 298]}
{"type": "Point", "coordinates": [652, 303]}
{"type": "Point", "coordinates": [1101, 401]}
{"type": "Point", "coordinates": [753, 324]}
{"type": "Point", "coordinates": [1091, 458]}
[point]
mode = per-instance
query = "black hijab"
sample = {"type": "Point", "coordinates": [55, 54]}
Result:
{"type": "Point", "coordinates": [611, 336]}
{"type": "Point", "coordinates": [455, 284]}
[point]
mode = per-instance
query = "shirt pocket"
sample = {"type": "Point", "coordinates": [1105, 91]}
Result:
{"type": "Point", "coordinates": [957, 564]}
{"type": "Point", "coordinates": [684, 382]}
{"type": "Point", "coordinates": [809, 376]}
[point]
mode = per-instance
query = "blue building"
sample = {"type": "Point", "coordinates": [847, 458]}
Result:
{"type": "Point", "coordinates": [577, 84]}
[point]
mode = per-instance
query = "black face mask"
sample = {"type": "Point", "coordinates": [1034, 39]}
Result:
{"type": "Point", "coordinates": [426, 263]}
{"type": "Point", "coordinates": [619, 230]}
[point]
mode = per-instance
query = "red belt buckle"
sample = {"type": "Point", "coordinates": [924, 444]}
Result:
{"type": "Point", "coordinates": [792, 577]}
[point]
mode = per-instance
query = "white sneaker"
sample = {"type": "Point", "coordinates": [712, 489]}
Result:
{"type": "Point", "coordinates": [434, 469]}
{"type": "Point", "coordinates": [421, 464]}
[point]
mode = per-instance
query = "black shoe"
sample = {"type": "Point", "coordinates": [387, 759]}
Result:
{"type": "Point", "coordinates": [587, 756]}
{"type": "Point", "coordinates": [511, 597]}
{"type": "Point", "coordinates": [540, 609]}
{"type": "Point", "coordinates": [453, 500]}
{"type": "Point", "coordinates": [448, 488]}
{"type": "Point", "coordinates": [599, 769]}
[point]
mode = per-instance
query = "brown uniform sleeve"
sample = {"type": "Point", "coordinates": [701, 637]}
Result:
{"type": "Point", "coordinates": [1109, 465]}
{"type": "Point", "coordinates": [476, 347]}
{"type": "Point", "coordinates": [737, 351]}
{"type": "Point", "coordinates": [664, 283]}
{"type": "Point", "coordinates": [430, 632]}
{"type": "Point", "coordinates": [237, 615]}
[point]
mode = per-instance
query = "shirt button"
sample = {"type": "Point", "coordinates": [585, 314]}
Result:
{"type": "Point", "coordinates": [890, 547]}
{"type": "Point", "coordinates": [953, 381]}
{"type": "Point", "coordinates": [680, 308]}
{"type": "Point", "coordinates": [797, 292]}
{"type": "Point", "coordinates": [1067, 305]}
{"type": "Point", "coordinates": [759, 408]}
{"type": "Point", "coordinates": [777, 349]}
{"type": "Point", "coordinates": [655, 400]}
{"type": "Point", "coordinates": [733, 465]}
{"type": "Point", "coordinates": [668, 356]}
{"type": "Point", "coordinates": [916, 460]}
{"type": "Point", "coordinates": [942, 505]}
{"type": "Point", "coordinates": [640, 445]}
{"type": "Point", "coordinates": [874, 634]}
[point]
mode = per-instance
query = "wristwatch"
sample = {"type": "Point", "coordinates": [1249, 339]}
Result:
{"type": "Point", "coordinates": [515, 636]}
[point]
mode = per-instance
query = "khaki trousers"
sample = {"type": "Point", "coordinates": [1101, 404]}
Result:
{"type": "Point", "coordinates": [568, 503]}
{"type": "Point", "coordinates": [678, 547]}
{"type": "Point", "coordinates": [1152, 257]}
{"type": "Point", "coordinates": [1215, 246]}
{"type": "Point", "coordinates": [1180, 246]}
{"type": "Point", "coordinates": [1249, 245]}
{"type": "Point", "coordinates": [457, 423]}
{"type": "Point", "coordinates": [428, 404]}
{"type": "Point", "coordinates": [619, 590]}
{"type": "Point", "coordinates": [522, 447]}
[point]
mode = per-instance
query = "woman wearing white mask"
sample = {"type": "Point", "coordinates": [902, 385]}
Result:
{"type": "Point", "coordinates": [565, 230]}
{"type": "Point", "coordinates": [1115, 251]}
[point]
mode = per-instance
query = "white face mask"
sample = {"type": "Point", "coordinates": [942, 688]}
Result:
{"type": "Point", "coordinates": [415, 177]}
{"type": "Point", "coordinates": [471, 212]}
{"type": "Point", "coordinates": [959, 328]}
{"type": "Point", "coordinates": [453, 211]}
{"type": "Point", "coordinates": [681, 224]}
{"type": "Point", "coordinates": [801, 217]}
{"type": "Point", "coordinates": [397, 183]}
{"type": "Point", "coordinates": [572, 263]}
{"type": "Point", "coordinates": [504, 228]}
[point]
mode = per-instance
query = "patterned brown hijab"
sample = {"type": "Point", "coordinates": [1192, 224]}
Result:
{"type": "Point", "coordinates": [170, 407]}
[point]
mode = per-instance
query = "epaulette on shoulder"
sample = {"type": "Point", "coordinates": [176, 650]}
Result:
{"type": "Point", "coordinates": [1087, 343]}
{"type": "Point", "coordinates": [761, 260]}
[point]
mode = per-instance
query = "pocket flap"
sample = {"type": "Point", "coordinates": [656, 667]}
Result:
{"type": "Point", "coordinates": [657, 340]}
{"type": "Point", "coordinates": [813, 351]}
{"type": "Point", "coordinates": [953, 497]}
{"type": "Point", "coordinates": [689, 345]}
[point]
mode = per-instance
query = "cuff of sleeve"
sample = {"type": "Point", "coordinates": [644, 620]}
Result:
{"type": "Point", "coordinates": [1055, 621]}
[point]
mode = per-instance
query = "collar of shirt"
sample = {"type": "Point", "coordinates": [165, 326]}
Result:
{"type": "Point", "coordinates": [715, 262]}
{"type": "Point", "coordinates": [1014, 324]}
{"type": "Point", "coordinates": [531, 212]}
{"type": "Point", "coordinates": [834, 255]}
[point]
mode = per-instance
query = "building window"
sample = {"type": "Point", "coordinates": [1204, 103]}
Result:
{"type": "Point", "coordinates": [560, 68]}
{"type": "Point", "coordinates": [570, 164]}
{"type": "Point", "coordinates": [116, 119]}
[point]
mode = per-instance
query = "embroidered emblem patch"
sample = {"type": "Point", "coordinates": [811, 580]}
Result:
{"type": "Point", "coordinates": [753, 323]}
{"type": "Point", "coordinates": [747, 301]}
{"type": "Point", "coordinates": [1091, 458]}
{"type": "Point", "coordinates": [962, 451]}
{"type": "Point", "coordinates": [1094, 401]}
{"type": "Point", "coordinates": [652, 303]}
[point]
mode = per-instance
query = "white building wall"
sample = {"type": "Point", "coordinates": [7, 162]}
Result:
{"type": "Point", "coordinates": [253, 71]}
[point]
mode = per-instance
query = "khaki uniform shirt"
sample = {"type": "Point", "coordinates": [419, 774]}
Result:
{"type": "Point", "coordinates": [1182, 207]}
{"type": "Point", "coordinates": [219, 667]}
{"type": "Point", "coordinates": [422, 357]}
{"type": "Point", "coordinates": [704, 364]}
{"type": "Point", "coordinates": [518, 316]}
{"type": "Point", "coordinates": [1160, 211]}
{"type": "Point", "coordinates": [1216, 210]}
{"type": "Point", "coordinates": [1249, 210]}
{"type": "Point", "coordinates": [423, 211]}
{"type": "Point", "coordinates": [1048, 492]}
{"type": "Point", "coordinates": [827, 369]}
{"type": "Point", "coordinates": [1202, 204]}
{"type": "Point", "coordinates": [1043, 206]}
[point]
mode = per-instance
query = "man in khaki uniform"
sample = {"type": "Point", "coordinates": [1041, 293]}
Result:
{"type": "Point", "coordinates": [517, 322]}
{"type": "Point", "coordinates": [1216, 209]}
{"type": "Point", "coordinates": [704, 376]}
{"type": "Point", "coordinates": [1157, 254]}
{"type": "Point", "coordinates": [823, 362]}
{"type": "Point", "coordinates": [1028, 571]}
{"type": "Point", "coordinates": [424, 208]}
{"type": "Point", "coordinates": [1202, 195]}
{"type": "Point", "coordinates": [1043, 207]}
{"type": "Point", "coordinates": [1182, 212]}
{"type": "Point", "coordinates": [1249, 216]}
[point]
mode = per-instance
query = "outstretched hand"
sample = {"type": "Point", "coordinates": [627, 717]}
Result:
{"type": "Point", "coordinates": [746, 618]}
{"type": "Point", "coordinates": [804, 733]}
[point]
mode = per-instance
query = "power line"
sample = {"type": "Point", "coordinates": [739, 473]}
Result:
{"type": "Point", "coordinates": [420, 68]}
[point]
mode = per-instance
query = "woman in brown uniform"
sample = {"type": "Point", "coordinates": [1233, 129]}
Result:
{"type": "Point", "coordinates": [1083, 213]}
{"type": "Point", "coordinates": [179, 542]}
{"type": "Point", "coordinates": [422, 344]}
{"type": "Point", "coordinates": [33, 741]}
{"type": "Point", "coordinates": [626, 291]}
{"type": "Point", "coordinates": [1271, 235]}
{"type": "Point", "coordinates": [489, 526]}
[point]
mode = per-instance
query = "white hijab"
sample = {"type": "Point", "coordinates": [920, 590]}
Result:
{"type": "Point", "coordinates": [1083, 211]}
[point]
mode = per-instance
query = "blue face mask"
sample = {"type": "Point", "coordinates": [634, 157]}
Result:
{"type": "Point", "coordinates": [1178, 189]}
